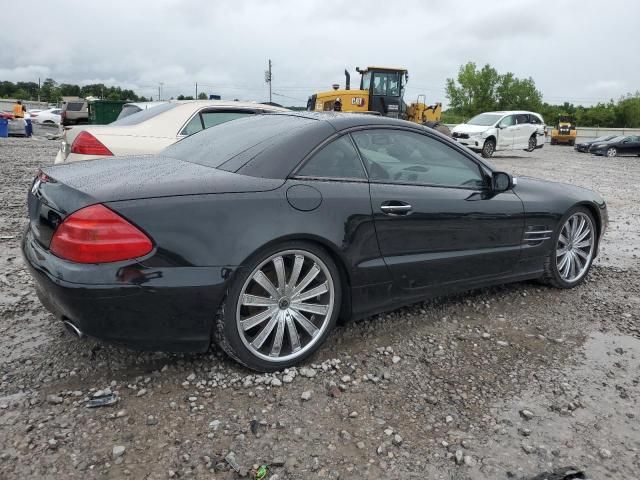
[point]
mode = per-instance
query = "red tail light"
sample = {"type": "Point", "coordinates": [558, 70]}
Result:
{"type": "Point", "coordinates": [96, 234]}
{"type": "Point", "coordinates": [87, 144]}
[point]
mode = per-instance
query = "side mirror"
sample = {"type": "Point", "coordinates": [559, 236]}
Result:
{"type": "Point", "coordinates": [501, 182]}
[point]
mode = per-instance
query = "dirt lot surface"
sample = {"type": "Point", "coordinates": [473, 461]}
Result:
{"type": "Point", "coordinates": [500, 383]}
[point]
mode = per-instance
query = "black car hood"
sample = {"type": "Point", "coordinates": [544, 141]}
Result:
{"type": "Point", "coordinates": [128, 178]}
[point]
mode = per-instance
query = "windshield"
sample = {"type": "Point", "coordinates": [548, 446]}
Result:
{"type": "Point", "coordinates": [605, 138]}
{"type": "Point", "coordinates": [386, 84]}
{"type": "Point", "coordinates": [144, 115]}
{"type": "Point", "coordinates": [484, 119]}
{"type": "Point", "coordinates": [615, 139]}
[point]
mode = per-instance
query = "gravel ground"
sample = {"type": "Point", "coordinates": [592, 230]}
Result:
{"type": "Point", "coordinates": [507, 382]}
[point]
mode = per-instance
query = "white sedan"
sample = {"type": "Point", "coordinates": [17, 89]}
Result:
{"type": "Point", "coordinates": [151, 130]}
{"type": "Point", "coordinates": [49, 117]}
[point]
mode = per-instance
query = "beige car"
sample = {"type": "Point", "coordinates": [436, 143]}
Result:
{"type": "Point", "coordinates": [152, 130]}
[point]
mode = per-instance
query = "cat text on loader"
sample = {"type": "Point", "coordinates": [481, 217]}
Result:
{"type": "Point", "coordinates": [381, 92]}
{"type": "Point", "coordinates": [565, 132]}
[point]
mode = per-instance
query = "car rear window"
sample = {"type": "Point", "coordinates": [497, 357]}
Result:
{"type": "Point", "coordinates": [144, 115]}
{"type": "Point", "coordinates": [128, 110]}
{"type": "Point", "coordinates": [244, 136]}
{"type": "Point", "coordinates": [75, 106]}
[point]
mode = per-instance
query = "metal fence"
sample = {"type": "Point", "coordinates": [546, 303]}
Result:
{"type": "Point", "coordinates": [586, 133]}
{"type": "Point", "coordinates": [6, 104]}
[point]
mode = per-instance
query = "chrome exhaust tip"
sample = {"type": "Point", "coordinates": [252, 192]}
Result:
{"type": "Point", "coordinates": [73, 329]}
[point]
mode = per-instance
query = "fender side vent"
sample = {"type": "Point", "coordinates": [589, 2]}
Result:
{"type": "Point", "coordinates": [536, 234]}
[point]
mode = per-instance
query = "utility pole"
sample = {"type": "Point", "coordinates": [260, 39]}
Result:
{"type": "Point", "coordinates": [267, 79]}
{"type": "Point", "coordinates": [196, 97]}
{"type": "Point", "coordinates": [160, 90]}
{"type": "Point", "coordinates": [38, 89]}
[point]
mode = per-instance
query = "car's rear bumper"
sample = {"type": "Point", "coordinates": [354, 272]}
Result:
{"type": "Point", "coordinates": [128, 303]}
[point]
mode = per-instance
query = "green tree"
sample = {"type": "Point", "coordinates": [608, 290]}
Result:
{"type": "Point", "coordinates": [628, 111]}
{"type": "Point", "coordinates": [474, 91]}
{"type": "Point", "coordinates": [202, 96]}
{"type": "Point", "coordinates": [49, 91]}
{"type": "Point", "coordinates": [480, 90]}
{"type": "Point", "coordinates": [21, 94]}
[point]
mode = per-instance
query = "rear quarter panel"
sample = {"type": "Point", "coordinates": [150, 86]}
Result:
{"type": "Point", "coordinates": [226, 229]}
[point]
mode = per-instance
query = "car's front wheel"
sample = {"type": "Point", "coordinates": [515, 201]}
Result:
{"type": "Point", "coordinates": [488, 148]}
{"type": "Point", "coordinates": [575, 244]}
{"type": "Point", "coordinates": [533, 143]}
{"type": "Point", "coordinates": [280, 308]}
{"type": "Point", "coordinates": [612, 152]}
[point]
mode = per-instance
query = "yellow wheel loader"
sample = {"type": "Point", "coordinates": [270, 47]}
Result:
{"type": "Point", "coordinates": [564, 132]}
{"type": "Point", "coordinates": [381, 92]}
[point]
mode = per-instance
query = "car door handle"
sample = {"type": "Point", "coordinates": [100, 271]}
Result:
{"type": "Point", "coordinates": [395, 208]}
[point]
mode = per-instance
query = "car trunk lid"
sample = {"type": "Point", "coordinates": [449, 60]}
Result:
{"type": "Point", "coordinates": [63, 189]}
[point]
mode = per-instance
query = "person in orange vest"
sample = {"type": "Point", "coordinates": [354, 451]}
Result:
{"type": "Point", "coordinates": [19, 109]}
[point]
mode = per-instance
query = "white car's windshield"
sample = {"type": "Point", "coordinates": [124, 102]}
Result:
{"type": "Point", "coordinates": [484, 119]}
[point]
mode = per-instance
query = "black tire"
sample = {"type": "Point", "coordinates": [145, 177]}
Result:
{"type": "Point", "coordinates": [612, 152]}
{"type": "Point", "coordinates": [226, 331]}
{"type": "Point", "coordinates": [488, 148]}
{"type": "Point", "coordinates": [553, 141]}
{"type": "Point", "coordinates": [551, 274]}
{"type": "Point", "coordinates": [533, 143]}
{"type": "Point", "coordinates": [572, 143]}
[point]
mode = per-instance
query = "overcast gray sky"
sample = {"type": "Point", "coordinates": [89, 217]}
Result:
{"type": "Point", "coordinates": [582, 52]}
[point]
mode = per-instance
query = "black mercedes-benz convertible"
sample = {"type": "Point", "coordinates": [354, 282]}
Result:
{"type": "Point", "coordinates": [260, 233]}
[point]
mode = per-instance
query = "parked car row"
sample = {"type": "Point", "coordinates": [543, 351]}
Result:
{"type": "Point", "coordinates": [611, 145]}
{"type": "Point", "coordinates": [258, 231]}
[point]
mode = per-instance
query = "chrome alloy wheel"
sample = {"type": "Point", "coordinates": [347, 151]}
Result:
{"type": "Point", "coordinates": [612, 152]}
{"type": "Point", "coordinates": [576, 244]}
{"type": "Point", "coordinates": [290, 292]}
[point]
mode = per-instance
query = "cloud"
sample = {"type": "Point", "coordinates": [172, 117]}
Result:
{"type": "Point", "coordinates": [224, 46]}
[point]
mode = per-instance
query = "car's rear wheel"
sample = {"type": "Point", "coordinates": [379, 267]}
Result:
{"type": "Point", "coordinates": [575, 244]}
{"type": "Point", "coordinates": [280, 308]}
{"type": "Point", "coordinates": [533, 143]}
{"type": "Point", "coordinates": [488, 148]}
{"type": "Point", "coordinates": [612, 152]}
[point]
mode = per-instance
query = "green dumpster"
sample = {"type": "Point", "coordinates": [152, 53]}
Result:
{"type": "Point", "coordinates": [102, 112]}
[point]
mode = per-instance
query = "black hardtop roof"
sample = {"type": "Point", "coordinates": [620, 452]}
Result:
{"type": "Point", "coordinates": [344, 120]}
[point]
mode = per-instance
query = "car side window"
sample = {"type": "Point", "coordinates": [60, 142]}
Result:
{"type": "Point", "coordinates": [338, 159]}
{"type": "Point", "coordinates": [522, 119]}
{"type": "Point", "coordinates": [534, 120]}
{"type": "Point", "coordinates": [211, 118]}
{"type": "Point", "coordinates": [507, 121]}
{"type": "Point", "coordinates": [398, 156]}
{"type": "Point", "coordinates": [194, 126]}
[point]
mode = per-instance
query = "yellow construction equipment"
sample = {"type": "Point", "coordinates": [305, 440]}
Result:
{"type": "Point", "coordinates": [381, 92]}
{"type": "Point", "coordinates": [565, 131]}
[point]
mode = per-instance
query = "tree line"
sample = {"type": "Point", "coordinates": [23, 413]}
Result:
{"type": "Point", "coordinates": [52, 92]}
{"type": "Point", "coordinates": [477, 90]}
{"type": "Point", "coordinates": [474, 90]}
